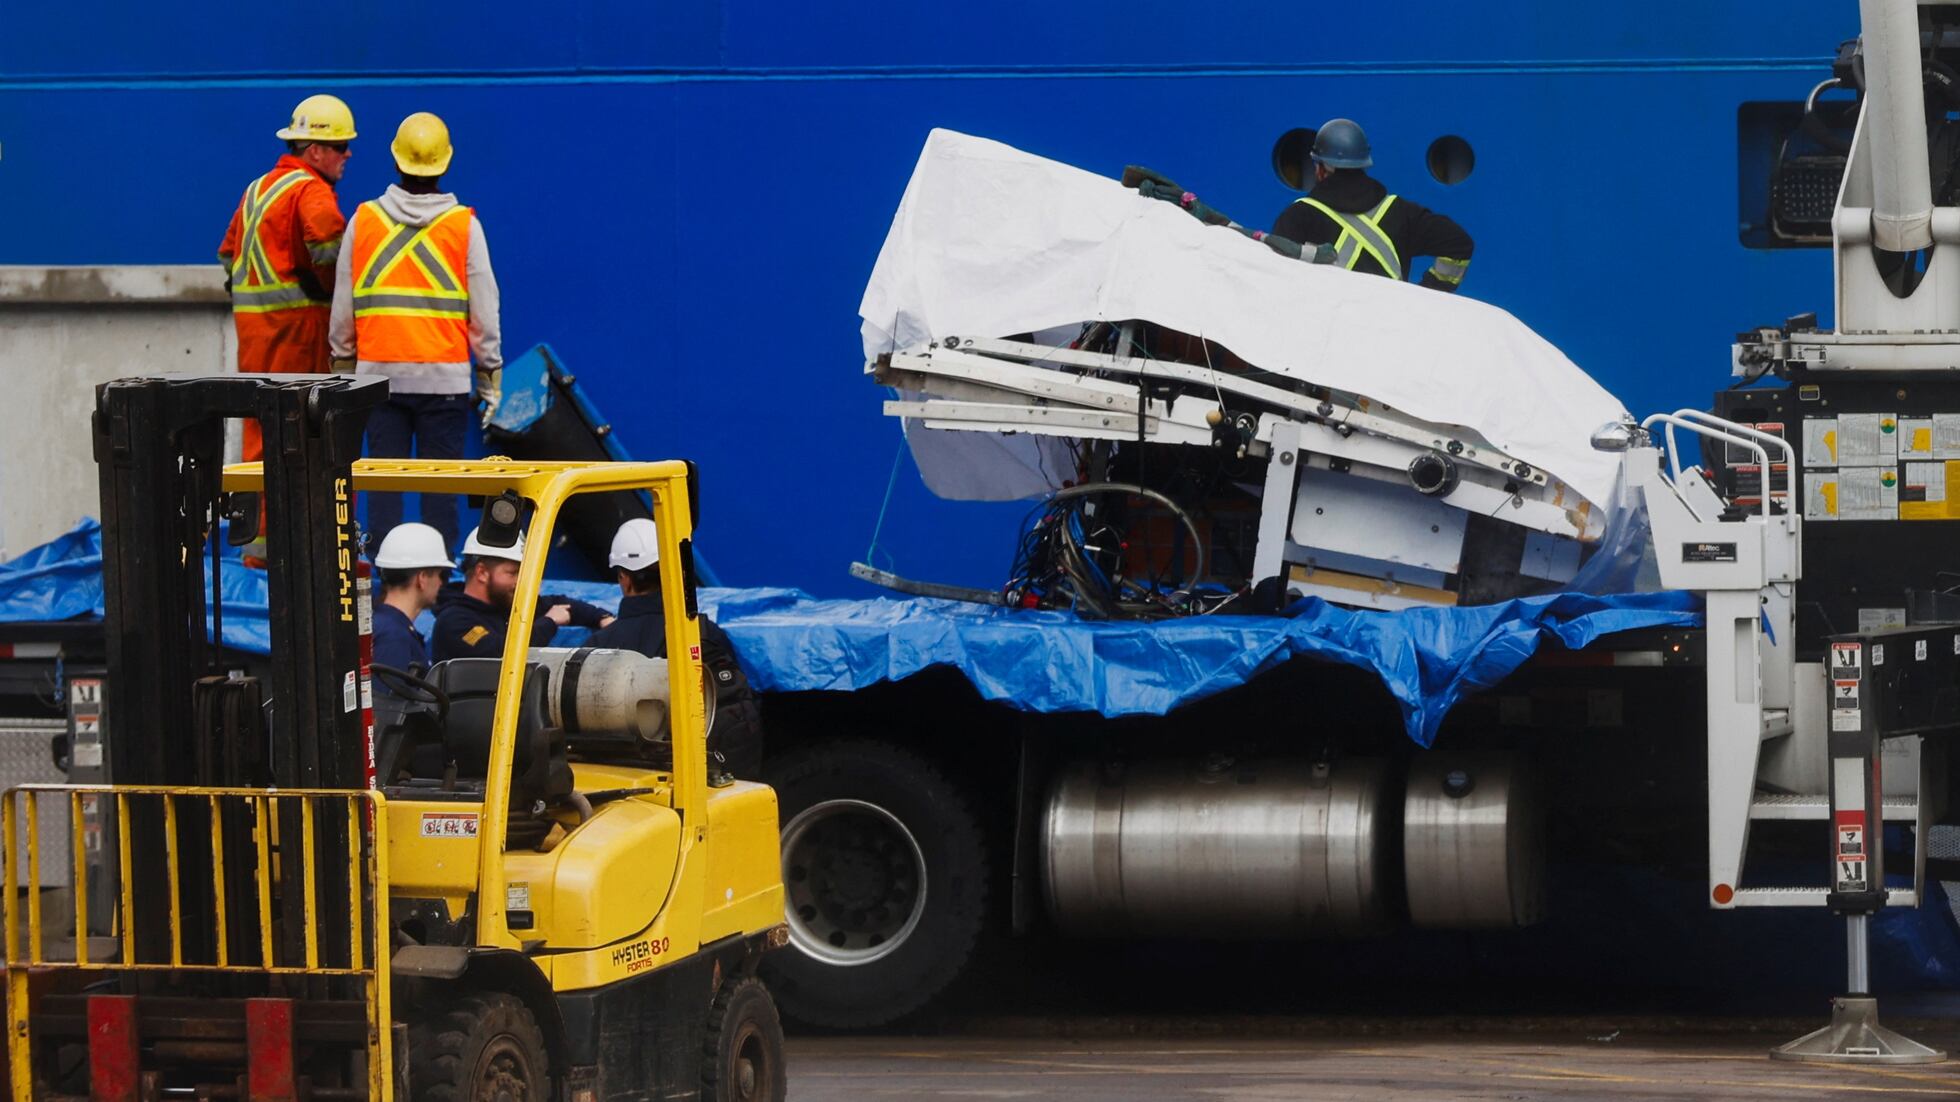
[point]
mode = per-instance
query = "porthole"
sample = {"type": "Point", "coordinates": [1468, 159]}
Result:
{"type": "Point", "coordinates": [1451, 160]}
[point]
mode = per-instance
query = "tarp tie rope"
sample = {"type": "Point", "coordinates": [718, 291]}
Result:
{"type": "Point", "coordinates": [890, 484]}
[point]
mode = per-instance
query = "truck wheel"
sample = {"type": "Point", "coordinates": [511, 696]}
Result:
{"type": "Point", "coordinates": [885, 878]}
{"type": "Point", "coordinates": [479, 1046]}
{"type": "Point", "coordinates": [742, 1057]}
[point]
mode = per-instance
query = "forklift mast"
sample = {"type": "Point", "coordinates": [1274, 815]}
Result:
{"type": "Point", "coordinates": [159, 450]}
{"type": "Point", "coordinates": [183, 720]}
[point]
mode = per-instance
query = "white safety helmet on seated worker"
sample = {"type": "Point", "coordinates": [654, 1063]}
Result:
{"type": "Point", "coordinates": [474, 547]}
{"type": "Point", "coordinates": [412, 547]}
{"type": "Point", "coordinates": [635, 546]}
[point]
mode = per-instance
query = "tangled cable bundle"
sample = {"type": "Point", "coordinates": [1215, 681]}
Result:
{"type": "Point", "coordinates": [1072, 555]}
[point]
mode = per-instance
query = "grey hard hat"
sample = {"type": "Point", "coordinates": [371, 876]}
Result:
{"type": "Point", "coordinates": [1341, 143]}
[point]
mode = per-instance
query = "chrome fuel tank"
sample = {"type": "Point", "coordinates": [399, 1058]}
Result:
{"type": "Point", "coordinates": [1217, 848]}
{"type": "Point", "coordinates": [1473, 854]}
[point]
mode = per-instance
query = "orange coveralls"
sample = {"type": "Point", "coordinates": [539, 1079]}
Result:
{"type": "Point", "coordinates": [280, 252]}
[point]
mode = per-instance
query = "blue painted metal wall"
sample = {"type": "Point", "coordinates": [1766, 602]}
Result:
{"type": "Point", "coordinates": [686, 198]}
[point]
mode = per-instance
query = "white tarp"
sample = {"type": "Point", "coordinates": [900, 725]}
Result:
{"type": "Point", "coordinates": [990, 241]}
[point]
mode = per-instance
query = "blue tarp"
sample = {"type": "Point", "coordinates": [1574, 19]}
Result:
{"type": "Point", "coordinates": [1037, 661]}
{"type": "Point", "coordinates": [1056, 662]}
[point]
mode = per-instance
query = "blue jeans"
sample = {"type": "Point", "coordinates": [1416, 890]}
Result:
{"type": "Point", "coordinates": [421, 426]}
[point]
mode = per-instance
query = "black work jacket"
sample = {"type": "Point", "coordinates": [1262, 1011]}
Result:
{"type": "Point", "coordinates": [469, 628]}
{"type": "Point", "coordinates": [1415, 229]}
{"type": "Point", "coordinates": [737, 735]}
{"type": "Point", "coordinates": [642, 626]}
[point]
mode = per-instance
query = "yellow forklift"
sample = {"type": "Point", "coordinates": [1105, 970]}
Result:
{"type": "Point", "coordinates": [515, 878]}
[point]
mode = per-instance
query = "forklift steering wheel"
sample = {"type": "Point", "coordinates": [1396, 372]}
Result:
{"type": "Point", "coordinates": [410, 687]}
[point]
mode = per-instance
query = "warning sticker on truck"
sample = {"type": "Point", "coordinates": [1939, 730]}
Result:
{"type": "Point", "coordinates": [1844, 661]}
{"type": "Point", "coordinates": [449, 824]}
{"type": "Point", "coordinates": [1850, 841]}
{"type": "Point", "coordinates": [1845, 675]}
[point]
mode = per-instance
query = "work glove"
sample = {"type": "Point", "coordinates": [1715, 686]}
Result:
{"type": "Point", "coordinates": [1136, 175]}
{"type": "Point", "coordinates": [1284, 246]}
{"type": "Point", "coordinates": [341, 365]}
{"type": "Point", "coordinates": [490, 393]}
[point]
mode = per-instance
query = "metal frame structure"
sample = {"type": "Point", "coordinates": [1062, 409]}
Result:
{"type": "Point", "coordinates": [986, 384]}
{"type": "Point", "coordinates": [1311, 437]}
{"type": "Point", "coordinates": [1746, 568]}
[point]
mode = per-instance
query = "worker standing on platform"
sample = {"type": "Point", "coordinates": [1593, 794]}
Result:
{"type": "Point", "coordinates": [415, 300]}
{"type": "Point", "coordinates": [414, 566]}
{"type": "Point", "coordinates": [473, 616]}
{"type": "Point", "coordinates": [642, 627]}
{"type": "Point", "coordinates": [1370, 229]}
{"type": "Point", "coordinates": [282, 246]}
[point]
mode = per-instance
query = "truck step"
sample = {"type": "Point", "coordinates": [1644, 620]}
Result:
{"type": "Point", "coordinates": [1810, 897]}
{"type": "Point", "coordinates": [1776, 723]}
{"type": "Point", "coordinates": [1783, 805]}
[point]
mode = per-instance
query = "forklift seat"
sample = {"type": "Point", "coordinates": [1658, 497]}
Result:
{"type": "Point", "coordinates": [540, 770]}
{"type": "Point", "coordinates": [407, 739]}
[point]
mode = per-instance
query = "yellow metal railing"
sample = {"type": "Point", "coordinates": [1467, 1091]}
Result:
{"type": "Point", "coordinates": [287, 830]}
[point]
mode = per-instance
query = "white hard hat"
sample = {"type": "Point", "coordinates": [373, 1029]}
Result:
{"type": "Point", "coordinates": [476, 547]}
{"type": "Point", "coordinates": [635, 546]}
{"type": "Point", "coordinates": [412, 547]}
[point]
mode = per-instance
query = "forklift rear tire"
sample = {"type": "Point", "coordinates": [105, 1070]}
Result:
{"type": "Point", "coordinates": [742, 1056]}
{"type": "Point", "coordinates": [480, 1045]}
{"type": "Point", "coordinates": [885, 874]}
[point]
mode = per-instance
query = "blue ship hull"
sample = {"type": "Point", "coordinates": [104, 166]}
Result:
{"type": "Point", "coordinates": [685, 199]}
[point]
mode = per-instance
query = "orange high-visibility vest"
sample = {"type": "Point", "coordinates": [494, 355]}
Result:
{"type": "Point", "coordinates": [263, 272]}
{"type": "Point", "coordinates": [411, 287]}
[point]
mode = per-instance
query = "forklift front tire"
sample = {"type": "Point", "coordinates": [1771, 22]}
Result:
{"type": "Point", "coordinates": [479, 1045]}
{"type": "Point", "coordinates": [742, 1054]}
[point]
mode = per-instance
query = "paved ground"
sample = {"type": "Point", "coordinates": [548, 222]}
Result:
{"type": "Point", "coordinates": [1552, 1064]}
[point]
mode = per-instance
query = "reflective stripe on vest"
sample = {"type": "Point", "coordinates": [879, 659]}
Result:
{"type": "Point", "coordinates": [256, 286]}
{"type": "Point", "coordinates": [1361, 232]}
{"type": "Point", "coordinates": [411, 287]}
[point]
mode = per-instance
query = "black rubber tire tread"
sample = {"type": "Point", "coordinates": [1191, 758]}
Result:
{"type": "Point", "coordinates": [745, 998]}
{"type": "Point", "coordinates": [442, 1045]}
{"type": "Point", "coordinates": [812, 993]}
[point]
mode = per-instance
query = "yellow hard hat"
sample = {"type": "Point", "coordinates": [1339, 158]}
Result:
{"type": "Point", "coordinates": [320, 119]}
{"type": "Point", "coordinates": [422, 145]}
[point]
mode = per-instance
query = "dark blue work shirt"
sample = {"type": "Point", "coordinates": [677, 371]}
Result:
{"type": "Point", "coordinates": [469, 628]}
{"type": "Point", "coordinates": [397, 643]}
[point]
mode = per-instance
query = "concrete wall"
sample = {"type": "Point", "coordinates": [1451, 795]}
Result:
{"type": "Point", "coordinates": [63, 330]}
